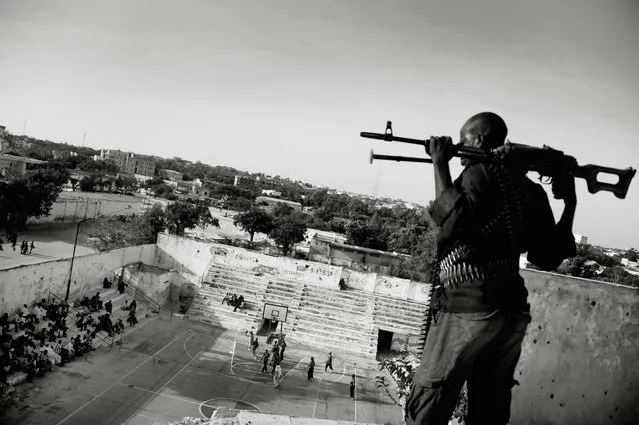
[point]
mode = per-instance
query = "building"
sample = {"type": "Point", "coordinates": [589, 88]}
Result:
{"type": "Point", "coordinates": [172, 175]}
{"type": "Point", "coordinates": [118, 157]}
{"type": "Point", "coordinates": [271, 193]}
{"type": "Point", "coordinates": [14, 164]}
{"type": "Point", "coordinates": [140, 165]}
{"type": "Point", "coordinates": [128, 162]}
{"type": "Point", "coordinates": [325, 249]}
{"type": "Point", "coordinates": [272, 202]}
{"type": "Point", "coordinates": [581, 239]}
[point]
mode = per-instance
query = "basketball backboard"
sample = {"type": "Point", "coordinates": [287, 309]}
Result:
{"type": "Point", "coordinates": [275, 312]}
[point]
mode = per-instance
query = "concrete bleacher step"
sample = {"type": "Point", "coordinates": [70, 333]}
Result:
{"type": "Point", "coordinates": [347, 314]}
{"type": "Point", "coordinates": [335, 333]}
{"type": "Point", "coordinates": [331, 322]}
{"type": "Point", "coordinates": [403, 321]}
{"type": "Point", "coordinates": [336, 305]}
{"type": "Point", "coordinates": [360, 352]}
{"type": "Point", "coordinates": [338, 297]}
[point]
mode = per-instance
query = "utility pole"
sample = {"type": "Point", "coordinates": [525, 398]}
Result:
{"type": "Point", "coordinates": [84, 136]}
{"type": "Point", "coordinates": [24, 127]}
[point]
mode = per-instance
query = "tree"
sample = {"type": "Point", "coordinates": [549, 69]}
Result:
{"type": "Point", "coordinates": [106, 166]}
{"type": "Point", "coordinates": [367, 234]}
{"type": "Point", "coordinates": [30, 196]}
{"type": "Point", "coordinates": [106, 235]}
{"type": "Point", "coordinates": [631, 255]}
{"type": "Point", "coordinates": [156, 219]}
{"type": "Point", "coordinates": [288, 230]}
{"type": "Point", "coordinates": [401, 369]}
{"type": "Point", "coordinates": [162, 190]}
{"type": "Point", "coordinates": [183, 215]}
{"type": "Point", "coordinates": [90, 183]}
{"type": "Point", "coordinates": [125, 183]}
{"type": "Point", "coordinates": [75, 183]}
{"type": "Point", "coordinates": [282, 210]}
{"type": "Point", "coordinates": [255, 220]}
{"type": "Point", "coordinates": [155, 181]}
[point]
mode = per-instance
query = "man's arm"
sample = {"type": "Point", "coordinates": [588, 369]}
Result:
{"type": "Point", "coordinates": [443, 180]}
{"type": "Point", "coordinates": [550, 243]}
{"type": "Point", "coordinates": [459, 204]}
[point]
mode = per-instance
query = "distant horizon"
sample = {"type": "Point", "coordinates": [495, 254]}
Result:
{"type": "Point", "coordinates": [285, 87]}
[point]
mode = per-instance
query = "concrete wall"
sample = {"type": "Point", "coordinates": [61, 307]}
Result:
{"type": "Point", "coordinates": [184, 254]}
{"type": "Point", "coordinates": [26, 284]}
{"type": "Point", "coordinates": [579, 357]}
{"type": "Point", "coordinates": [196, 257]}
{"type": "Point", "coordinates": [72, 210]}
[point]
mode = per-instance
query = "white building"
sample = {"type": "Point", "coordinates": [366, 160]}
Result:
{"type": "Point", "coordinates": [581, 239]}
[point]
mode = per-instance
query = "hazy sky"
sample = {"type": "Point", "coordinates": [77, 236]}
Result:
{"type": "Point", "coordinates": [285, 87]}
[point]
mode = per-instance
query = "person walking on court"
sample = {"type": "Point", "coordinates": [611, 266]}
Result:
{"type": "Point", "coordinates": [277, 377]}
{"type": "Point", "coordinates": [276, 361]}
{"type": "Point", "coordinates": [264, 359]}
{"type": "Point", "coordinates": [282, 348]}
{"type": "Point", "coordinates": [311, 368]}
{"type": "Point", "coordinates": [329, 362]}
{"type": "Point", "coordinates": [31, 247]}
{"type": "Point", "coordinates": [251, 339]}
{"type": "Point", "coordinates": [254, 346]}
{"type": "Point", "coordinates": [353, 387]}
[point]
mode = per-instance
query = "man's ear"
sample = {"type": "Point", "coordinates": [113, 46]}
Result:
{"type": "Point", "coordinates": [480, 140]}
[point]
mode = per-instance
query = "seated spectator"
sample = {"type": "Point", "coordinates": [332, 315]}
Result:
{"type": "Point", "coordinates": [133, 306]}
{"type": "Point", "coordinates": [119, 326]}
{"type": "Point", "coordinates": [39, 312]}
{"type": "Point", "coordinates": [108, 307]}
{"type": "Point", "coordinates": [86, 303]}
{"type": "Point", "coordinates": [126, 305]}
{"type": "Point", "coordinates": [132, 320]}
{"type": "Point", "coordinates": [227, 298]}
{"type": "Point", "coordinates": [77, 303]}
{"type": "Point", "coordinates": [4, 323]}
{"type": "Point", "coordinates": [239, 303]}
{"type": "Point", "coordinates": [106, 284]}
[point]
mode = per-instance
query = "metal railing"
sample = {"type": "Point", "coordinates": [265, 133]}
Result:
{"type": "Point", "coordinates": [137, 293]}
{"type": "Point", "coordinates": [74, 313]}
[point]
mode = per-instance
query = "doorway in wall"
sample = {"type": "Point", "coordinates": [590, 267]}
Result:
{"type": "Point", "coordinates": [384, 341]}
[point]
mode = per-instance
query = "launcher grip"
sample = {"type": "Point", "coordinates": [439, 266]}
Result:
{"type": "Point", "coordinates": [590, 172]}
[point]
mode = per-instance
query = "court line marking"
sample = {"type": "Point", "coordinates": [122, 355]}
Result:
{"type": "Point", "coordinates": [341, 377]}
{"type": "Point", "coordinates": [121, 378]}
{"type": "Point", "coordinates": [164, 386]}
{"type": "Point", "coordinates": [233, 356]}
{"type": "Point", "coordinates": [180, 371]}
{"type": "Point", "coordinates": [291, 370]}
{"type": "Point", "coordinates": [185, 349]}
{"type": "Point", "coordinates": [168, 396]}
{"type": "Point", "coordinates": [216, 408]}
{"type": "Point", "coordinates": [317, 395]}
{"type": "Point", "coordinates": [355, 396]}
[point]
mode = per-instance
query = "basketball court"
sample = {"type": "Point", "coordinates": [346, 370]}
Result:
{"type": "Point", "coordinates": [192, 370]}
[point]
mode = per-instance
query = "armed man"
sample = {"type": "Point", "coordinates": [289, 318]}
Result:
{"type": "Point", "coordinates": [486, 218]}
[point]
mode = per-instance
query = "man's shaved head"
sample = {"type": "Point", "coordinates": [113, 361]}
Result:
{"type": "Point", "coordinates": [491, 126]}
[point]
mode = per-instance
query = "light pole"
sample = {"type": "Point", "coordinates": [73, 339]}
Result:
{"type": "Point", "coordinates": [66, 297]}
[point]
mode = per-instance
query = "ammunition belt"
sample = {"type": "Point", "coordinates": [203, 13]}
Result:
{"type": "Point", "coordinates": [458, 273]}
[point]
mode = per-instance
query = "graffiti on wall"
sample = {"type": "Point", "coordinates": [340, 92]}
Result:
{"type": "Point", "coordinates": [286, 267]}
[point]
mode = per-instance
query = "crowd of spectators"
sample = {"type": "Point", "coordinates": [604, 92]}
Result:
{"type": "Point", "coordinates": [40, 334]}
{"type": "Point", "coordinates": [234, 301]}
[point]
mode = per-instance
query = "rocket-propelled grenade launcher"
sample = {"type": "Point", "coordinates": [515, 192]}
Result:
{"type": "Point", "coordinates": [546, 161]}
